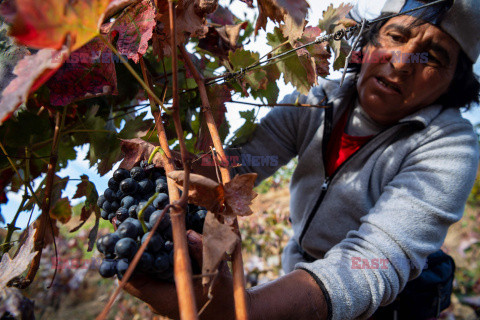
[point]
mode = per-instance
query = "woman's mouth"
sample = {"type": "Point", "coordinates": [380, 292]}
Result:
{"type": "Point", "coordinates": [388, 85]}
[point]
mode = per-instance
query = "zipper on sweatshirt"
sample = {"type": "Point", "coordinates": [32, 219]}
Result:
{"type": "Point", "coordinates": [328, 179]}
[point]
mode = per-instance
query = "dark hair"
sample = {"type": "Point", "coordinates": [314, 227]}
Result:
{"type": "Point", "coordinates": [464, 89]}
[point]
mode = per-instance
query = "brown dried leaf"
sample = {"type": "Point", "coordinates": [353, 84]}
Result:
{"type": "Point", "coordinates": [136, 150]}
{"type": "Point", "coordinates": [218, 239]}
{"type": "Point", "coordinates": [202, 191]}
{"type": "Point", "coordinates": [239, 195]}
{"type": "Point", "coordinates": [292, 12]}
{"type": "Point", "coordinates": [49, 233]}
{"type": "Point", "coordinates": [9, 268]}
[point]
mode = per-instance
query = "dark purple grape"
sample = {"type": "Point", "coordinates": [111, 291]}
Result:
{"type": "Point", "coordinates": [168, 246]}
{"type": "Point", "coordinates": [145, 264]}
{"type": "Point", "coordinates": [100, 245]}
{"type": "Point", "coordinates": [110, 256]}
{"type": "Point", "coordinates": [121, 174]}
{"type": "Point", "coordinates": [104, 214]}
{"type": "Point", "coordinates": [108, 268]}
{"type": "Point", "coordinates": [113, 185]}
{"type": "Point", "coordinates": [121, 214]}
{"type": "Point", "coordinates": [126, 248]}
{"type": "Point", "coordinates": [127, 202]}
{"type": "Point", "coordinates": [109, 241]}
{"type": "Point", "coordinates": [155, 244]}
{"type": "Point", "coordinates": [158, 173]}
{"type": "Point", "coordinates": [145, 187]}
{"type": "Point", "coordinates": [132, 211]}
{"type": "Point", "coordinates": [164, 224]}
{"type": "Point", "coordinates": [168, 233]}
{"type": "Point", "coordinates": [122, 267]}
{"type": "Point", "coordinates": [111, 216]}
{"type": "Point", "coordinates": [120, 194]}
{"type": "Point", "coordinates": [101, 200]}
{"type": "Point", "coordinates": [161, 185]}
{"type": "Point", "coordinates": [128, 230]}
{"type": "Point", "coordinates": [137, 224]}
{"type": "Point", "coordinates": [110, 195]}
{"type": "Point", "coordinates": [160, 201]}
{"type": "Point", "coordinates": [107, 206]}
{"type": "Point", "coordinates": [161, 263]}
{"type": "Point", "coordinates": [137, 173]}
{"type": "Point", "coordinates": [129, 186]}
{"type": "Point", "coordinates": [114, 206]}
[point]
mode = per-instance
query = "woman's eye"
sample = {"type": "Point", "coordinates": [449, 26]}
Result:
{"type": "Point", "coordinates": [396, 37]}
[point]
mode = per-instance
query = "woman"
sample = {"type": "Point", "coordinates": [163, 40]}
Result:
{"type": "Point", "coordinates": [381, 174]}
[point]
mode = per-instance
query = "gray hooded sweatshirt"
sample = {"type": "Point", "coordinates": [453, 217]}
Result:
{"type": "Point", "coordinates": [371, 225]}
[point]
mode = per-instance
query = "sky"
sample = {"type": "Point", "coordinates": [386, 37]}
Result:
{"type": "Point", "coordinates": [369, 9]}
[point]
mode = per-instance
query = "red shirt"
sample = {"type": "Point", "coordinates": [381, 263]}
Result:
{"type": "Point", "coordinates": [341, 145]}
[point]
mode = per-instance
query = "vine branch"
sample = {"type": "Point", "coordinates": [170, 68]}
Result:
{"type": "Point", "coordinates": [239, 293]}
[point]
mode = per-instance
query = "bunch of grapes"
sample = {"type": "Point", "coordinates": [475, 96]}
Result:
{"type": "Point", "coordinates": [127, 194]}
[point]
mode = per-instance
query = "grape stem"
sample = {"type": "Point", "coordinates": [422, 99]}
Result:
{"type": "Point", "coordinates": [239, 292]}
{"type": "Point", "coordinates": [152, 155]}
{"type": "Point", "coordinates": [141, 213]}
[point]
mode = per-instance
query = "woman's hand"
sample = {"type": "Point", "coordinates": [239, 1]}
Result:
{"type": "Point", "coordinates": [161, 296]}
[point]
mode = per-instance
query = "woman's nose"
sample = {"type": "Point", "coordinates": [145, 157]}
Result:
{"type": "Point", "coordinates": [402, 58]}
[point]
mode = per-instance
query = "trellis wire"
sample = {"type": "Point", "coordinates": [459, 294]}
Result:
{"type": "Point", "coordinates": [337, 36]}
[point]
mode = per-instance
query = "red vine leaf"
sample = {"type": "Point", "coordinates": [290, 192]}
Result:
{"type": "Point", "coordinates": [136, 150]}
{"type": "Point", "coordinates": [46, 24]}
{"type": "Point", "coordinates": [292, 12]}
{"type": "Point", "coordinates": [135, 27]}
{"type": "Point", "coordinates": [202, 191]}
{"type": "Point", "coordinates": [239, 195]}
{"type": "Point", "coordinates": [89, 72]}
{"type": "Point", "coordinates": [91, 77]}
{"type": "Point", "coordinates": [32, 71]}
{"type": "Point", "coordinates": [12, 268]}
{"type": "Point", "coordinates": [218, 239]}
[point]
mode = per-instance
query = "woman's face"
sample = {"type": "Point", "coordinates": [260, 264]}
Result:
{"type": "Point", "coordinates": [410, 69]}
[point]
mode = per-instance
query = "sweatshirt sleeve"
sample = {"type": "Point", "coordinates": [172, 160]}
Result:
{"type": "Point", "coordinates": [408, 222]}
{"type": "Point", "coordinates": [273, 144]}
